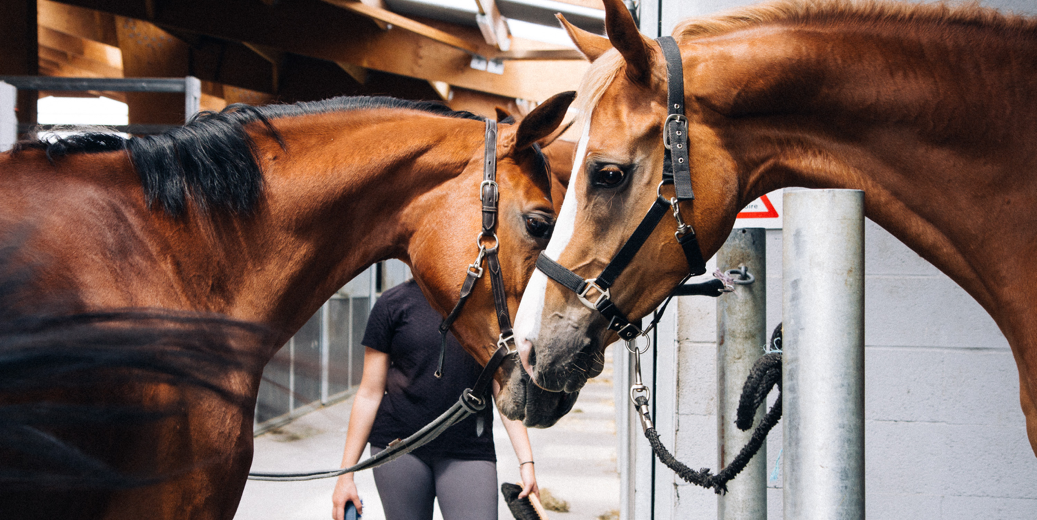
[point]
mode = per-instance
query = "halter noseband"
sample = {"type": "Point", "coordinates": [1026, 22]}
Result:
{"type": "Point", "coordinates": [594, 292]}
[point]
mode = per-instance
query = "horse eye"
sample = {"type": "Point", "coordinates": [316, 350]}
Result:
{"type": "Point", "coordinates": [539, 227]}
{"type": "Point", "coordinates": [609, 176]}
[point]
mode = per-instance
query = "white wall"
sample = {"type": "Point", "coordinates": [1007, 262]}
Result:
{"type": "Point", "coordinates": [944, 435]}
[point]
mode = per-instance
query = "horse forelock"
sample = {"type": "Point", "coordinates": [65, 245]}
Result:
{"type": "Point", "coordinates": [834, 11]}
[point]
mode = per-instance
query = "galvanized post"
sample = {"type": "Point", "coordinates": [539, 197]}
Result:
{"type": "Point", "coordinates": [192, 97]}
{"type": "Point", "coordinates": [741, 336]}
{"type": "Point", "coordinates": [823, 361]}
{"type": "Point", "coordinates": [8, 117]}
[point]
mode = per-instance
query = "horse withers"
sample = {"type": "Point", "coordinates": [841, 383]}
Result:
{"type": "Point", "coordinates": [255, 215]}
{"type": "Point", "coordinates": [928, 109]}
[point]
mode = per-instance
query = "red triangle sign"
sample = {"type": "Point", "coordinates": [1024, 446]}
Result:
{"type": "Point", "coordinates": [767, 212]}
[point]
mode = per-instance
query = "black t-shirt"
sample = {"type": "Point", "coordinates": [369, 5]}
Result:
{"type": "Point", "coordinates": [403, 325]}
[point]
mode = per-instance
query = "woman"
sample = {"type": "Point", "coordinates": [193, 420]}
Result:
{"type": "Point", "coordinates": [398, 394]}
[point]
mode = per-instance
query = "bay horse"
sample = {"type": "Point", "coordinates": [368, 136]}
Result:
{"type": "Point", "coordinates": [256, 215]}
{"type": "Point", "coordinates": [927, 108]}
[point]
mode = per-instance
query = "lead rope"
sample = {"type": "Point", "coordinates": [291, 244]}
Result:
{"type": "Point", "coordinates": [765, 374]}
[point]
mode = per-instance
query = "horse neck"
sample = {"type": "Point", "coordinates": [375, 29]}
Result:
{"type": "Point", "coordinates": [336, 201]}
{"type": "Point", "coordinates": [933, 127]}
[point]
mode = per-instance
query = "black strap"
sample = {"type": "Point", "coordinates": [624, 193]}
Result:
{"type": "Point", "coordinates": [633, 245]}
{"type": "Point", "coordinates": [676, 163]}
{"type": "Point", "coordinates": [559, 273]}
{"type": "Point", "coordinates": [488, 191]}
{"type": "Point", "coordinates": [471, 276]}
{"type": "Point", "coordinates": [500, 297]}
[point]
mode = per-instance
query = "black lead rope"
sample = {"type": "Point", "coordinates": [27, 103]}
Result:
{"type": "Point", "coordinates": [472, 401]}
{"type": "Point", "coordinates": [765, 375]}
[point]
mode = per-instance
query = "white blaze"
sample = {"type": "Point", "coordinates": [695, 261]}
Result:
{"type": "Point", "coordinates": [527, 318]}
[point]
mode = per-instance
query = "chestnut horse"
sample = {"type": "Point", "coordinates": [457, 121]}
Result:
{"type": "Point", "coordinates": [258, 215]}
{"type": "Point", "coordinates": [928, 109]}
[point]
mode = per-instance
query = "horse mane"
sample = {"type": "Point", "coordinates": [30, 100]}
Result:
{"type": "Point", "coordinates": [795, 12]}
{"type": "Point", "coordinates": [815, 12]}
{"type": "Point", "coordinates": [212, 159]}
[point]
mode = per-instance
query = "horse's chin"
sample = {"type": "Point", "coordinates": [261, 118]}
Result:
{"type": "Point", "coordinates": [522, 400]}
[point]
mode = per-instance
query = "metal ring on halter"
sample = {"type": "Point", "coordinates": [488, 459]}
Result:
{"type": "Point", "coordinates": [744, 276]}
{"type": "Point", "coordinates": [659, 191]}
{"type": "Point", "coordinates": [483, 249]}
{"type": "Point", "coordinates": [639, 351]}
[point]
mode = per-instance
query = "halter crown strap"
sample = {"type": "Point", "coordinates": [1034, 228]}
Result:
{"type": "Point", "coordinates": [675, 138]}
{"type": "Point", "coordinates": [488, 191]}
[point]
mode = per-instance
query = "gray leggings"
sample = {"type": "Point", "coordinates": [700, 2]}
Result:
{"type": "Point", "coordinates": [467, 489]}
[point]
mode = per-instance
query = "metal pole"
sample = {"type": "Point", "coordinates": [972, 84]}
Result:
{"type": "Point", "coordinates": [192, 97]}
{"type": "Point", "coordinates": [823, 360]}
{"type": "Point", "coordinates": [8, 117]}
{"type": "Point", "coordinates": [741, 336]}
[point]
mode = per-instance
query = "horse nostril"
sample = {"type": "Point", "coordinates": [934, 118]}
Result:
{"type": "Point", "coordinates": [532, 356]}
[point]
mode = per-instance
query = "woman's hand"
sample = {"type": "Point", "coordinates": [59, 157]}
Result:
{"type": "Point", "coordinates": [529, 481]}
{"type": "Point", "coordinates": [345, 491]}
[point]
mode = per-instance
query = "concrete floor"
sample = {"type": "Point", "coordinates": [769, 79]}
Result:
{"type": "Point", "coordinates": [575, 459]}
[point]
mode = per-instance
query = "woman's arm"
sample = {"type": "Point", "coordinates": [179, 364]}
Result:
{"type": "Point", "coordinates": [361, 419]}
{"type": "Point", "coordinates": [520, 442]}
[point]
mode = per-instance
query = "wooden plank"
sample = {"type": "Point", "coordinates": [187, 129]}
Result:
{"type": "Point", "coordinates": [101, 69]}
{"type": "Point", "coordinates": [148, 51]}
{"type": "Point", "coordinates": [407, 24]}
{"type": "Point", "coordinates": [89, 49]}
{"type": "Point", "coordinates": [78, 21]}
{"type": "Point", "coordinates": [19, 49]}
{"type": "Point", "coordinates": [590, 4]}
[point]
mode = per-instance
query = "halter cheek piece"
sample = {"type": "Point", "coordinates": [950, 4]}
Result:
{"type": "Point", "coordinates": [594, 292]}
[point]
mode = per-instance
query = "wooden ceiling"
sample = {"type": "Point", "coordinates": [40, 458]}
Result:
{"type": "Point", "coordinates": [258, 51]}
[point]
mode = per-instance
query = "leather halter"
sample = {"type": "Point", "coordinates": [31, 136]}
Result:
{"type": "Point", "coordinates": [472, 400]}
{"type": "Point", "coordinates": [594, 292]}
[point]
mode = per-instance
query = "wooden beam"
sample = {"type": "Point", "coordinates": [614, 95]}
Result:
{"type": "Point", "coordinates": [77, 21]}
{"type": "Point", "coordinates": [89, 49]}
{"type": "Point", "coordinates": [148, 51]}
{"type": "Point", "coordinates": [101, 69]}
{"type": "Point", "coordinates": [590, 4]}
{"type": "Point", "coordinates": [342, 36]}
{"type": "Point", "coordinates": [407, 24]}
{"type": "Point", "coordinates": [19, 48]}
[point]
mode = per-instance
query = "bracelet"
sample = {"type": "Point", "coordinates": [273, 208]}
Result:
{"type": "Point", "coordinates": [524, 463]}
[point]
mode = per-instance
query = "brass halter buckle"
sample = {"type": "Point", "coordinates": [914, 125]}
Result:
{"type": "Point", "coordinates": [588, 285]}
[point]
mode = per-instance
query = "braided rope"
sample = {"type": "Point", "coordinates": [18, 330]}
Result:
{"type": "Point", "coordinates": [766, 373]}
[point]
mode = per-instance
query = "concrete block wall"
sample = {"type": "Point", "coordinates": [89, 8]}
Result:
{"type": "Point", "coordinates": [945, 436]}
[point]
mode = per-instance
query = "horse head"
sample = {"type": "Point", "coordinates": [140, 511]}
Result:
{"type": "Point", "coordinates": [451, 236]}
{"type": "Point", "coordinates": [616, 178]}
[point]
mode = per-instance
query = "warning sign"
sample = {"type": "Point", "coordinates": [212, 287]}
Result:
{"type": "Point", "coordinates": [764, 212]}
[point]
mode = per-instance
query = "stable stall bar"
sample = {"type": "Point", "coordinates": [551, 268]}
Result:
{"type": "Point", "coordinates": [823, 360]}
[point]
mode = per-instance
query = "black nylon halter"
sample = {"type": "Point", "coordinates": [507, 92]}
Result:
{"type": "Point", "coordinates": [594, 292]}
{"type": "Point", "coordinates": [473, 399]}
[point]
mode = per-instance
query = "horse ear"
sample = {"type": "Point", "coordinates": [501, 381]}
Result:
{"type": "Point", "coordinates": [543, 120]}
{"type": "Point", "coordinates": [501, 114]}
{"type": "Point", "coordinates": [589, 44]}
{"type": "Point", "coordinates": [624, 35]}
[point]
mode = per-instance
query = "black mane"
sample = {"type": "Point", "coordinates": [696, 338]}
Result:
{"type": "Point", "coordinates": [212, 159]}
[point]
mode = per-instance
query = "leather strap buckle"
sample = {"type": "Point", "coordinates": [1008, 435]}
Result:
{"type": "Point", "coordinates": [678, 119]}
